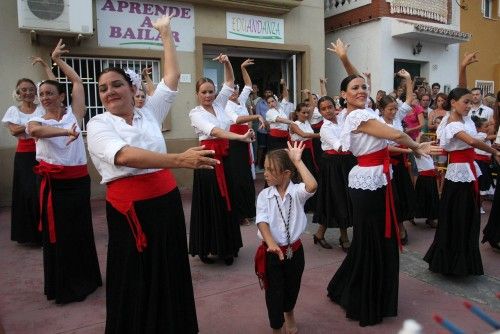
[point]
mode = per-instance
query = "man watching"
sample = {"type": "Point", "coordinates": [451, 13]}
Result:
{"type": "Point", "coordinates": [478, 108]}
{"type": "Point", "coordinates": [435, 89]}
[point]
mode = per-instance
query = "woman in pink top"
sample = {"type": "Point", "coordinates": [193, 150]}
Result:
{"type": "Point", "coordinates": [414, 121]}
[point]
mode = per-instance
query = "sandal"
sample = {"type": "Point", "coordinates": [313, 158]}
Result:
{"type": "Point", "coordinates": [322, 242]}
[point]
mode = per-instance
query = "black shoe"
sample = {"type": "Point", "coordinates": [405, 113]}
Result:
{"type": "Point", "coordinates": [229, 260]}
{"type": "Point", "coordinates": [404, 240]}
{"type": "Point", "coordinates": [322, 242]}
{"type": "Point", "coordinates": [206, 260]}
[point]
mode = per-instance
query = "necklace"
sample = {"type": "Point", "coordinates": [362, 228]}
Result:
{"type": "Point", "coordinates": [289, 251]}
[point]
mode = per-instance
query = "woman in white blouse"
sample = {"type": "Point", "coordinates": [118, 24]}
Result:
{"type": "Point", "coordinates": [148, 279]}
{"type": "Point", "coordinates": [455, 249]}
{"type": "Point", "coordinates": [366, 284]}
{"type": "Point", "coordinates": [70, 263]}
{"type": "Point", "coordinates": [278, 118]}
{"type": "Point", "coordinates": [214, 227]}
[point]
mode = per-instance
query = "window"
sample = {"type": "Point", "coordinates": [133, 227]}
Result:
{"type": "Point", "coordinates": [89, 69]}
{"type": "Point", "coordinates": [486, 86]}
{"type": "Point", "coordinates": [487, 8]}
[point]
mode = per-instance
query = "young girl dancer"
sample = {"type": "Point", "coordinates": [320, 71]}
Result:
{"type": "Point", "coordinates": [483, 159]}
{"type": "Point", "coordinates": [281, 220]}
{"type": "Point", "coordinates": [334, 208]}
{"type": "Point", "coordinates": [278, 119]}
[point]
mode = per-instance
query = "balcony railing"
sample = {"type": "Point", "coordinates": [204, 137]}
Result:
{"type": "Point", "coordinates": [261, 6]}
{"type": "Point", "coordinates": [435, 10]}
{"type": "Point", "coordinates": [335, 7]}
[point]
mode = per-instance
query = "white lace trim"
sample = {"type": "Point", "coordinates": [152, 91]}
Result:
{"type": "Point", "coordinates": [352, 122]}
{"type": "Point", "coordinates": [367, 178]}
{"type": "Point", "coordinates": [461, 172]}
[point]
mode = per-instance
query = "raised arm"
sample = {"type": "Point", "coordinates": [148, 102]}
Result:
{"type": "Point", "coordinates": [308, 95]}
{"type": "Point", "coordinates": [469, 58]}
{"type": "Point", "coordinates": [295, 154]}
{"type": "Point", "coordinates": [148, 83]}
{"type": "Point", "coordinates": [322, 87]}
{"type": "Point", "coordinates": [409, 85]}
{"type": "Point", "coordinates": [340, 49]}
{"type": "Point", "coordinates": [77, 93]}
{"type": "Point", "coordinates": [246, 77]}
{"type": "Point", "coordinates": [46, 68]}
{"type": "Point", "coordinates": [228, 69]}
{"type": "Point", "coordinates": [171, 73]}
{"type": "Point", "coordinates": [284, 94]}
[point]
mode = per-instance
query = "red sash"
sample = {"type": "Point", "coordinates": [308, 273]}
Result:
{"type": "Point", "coordinates": [26, 145]}
{"type": "Point", "coordinates": [466, 156]}
{"type": "Point", "coordinates": [335, 152]}
{"type": "Point", "coordinates": [308, 144]}
{"type": "Point", "coordinates": [317, 126]}
{"type": "Point", "coordinates": [382, 158]}
{"type": "Point", "coordinates": [429, 172]}
{"type": "Point", "coordinates": [56, 172]}
{"type": "Point", "coordinates": [122, 194]}
{"type": "Point", "coordinates": [242, 129]}
{"type": "Point", "coordinates": [221, 147]}
{"type": "Point", "coordinates": [395, 155]}
{"type": "Point", "coordinates": [278, 133]}
{"type": "Point", "coordinates": [482, 157]}
{"type": "Point", "coordinates": [260, 261]}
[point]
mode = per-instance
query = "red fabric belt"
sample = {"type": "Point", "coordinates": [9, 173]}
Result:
{"type": "Point", "coordinates": [56, 172]}
{"type": "Point", "coordinates": [317, 125]}
{"type": "Point", "coordinates": [395, 155]}
{"type": "Point", "coordinates": [429, 172]}
{"type": "Point", "coordinates": [466, 156]}
{"type": "Point", "coordinates": [376, 159]}
{"type": "Point", "coordinates": [278, 133]}
{"type": "Point", "coordinates": [242, 129]}
{"type": "Point", "coordinates": [482, 157]}
{"type": "Point", "coordinates": [26, 145]}
{"type": "Point", "coordinates": [260, 261]}
{"type": "Point", "coordinates": [308, 144]}
{"type": "Point", "coordinates": [221, 148]}
{"type": "Point", "coordinates": [122, 194]}
{"type": "Point", "coordinates": [335, 152]}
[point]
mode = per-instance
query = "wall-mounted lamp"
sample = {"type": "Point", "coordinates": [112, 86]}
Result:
{"type": "Point", "coordinates": [417, 49]}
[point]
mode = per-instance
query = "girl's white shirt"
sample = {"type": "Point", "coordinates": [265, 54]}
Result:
{"type": "Point", "coordinates": [274, 113]}
{"type": "Point", "coordinates": [234, 110]}
{"type": "Point", "coordinates": [14, 115]}
{"type": "Point", "coordinates": [54, 150]}
{"type": "Point", "coordinates": [457, 172]}
{"type": "Point", "coordinates": [359, 143]}
{"type": "Point", "coordinates": [107, 134]}
{"type": "Point", "coordinates": [316, 116]}
{"type": "Point", "coordinates": [269, 213]}
{"type": "Point", "coordinates": [305, 127]}
{"type": "Point", "coordinates": [424, 163]}
{"type": "Point", "coordinates": [397, 122]}
{"type": "Point", "coordinates": [482, 137]}
{"type": "Point", "coordinates": [204, 121]}
{"type": "Point", "coordinates": [330, 135]}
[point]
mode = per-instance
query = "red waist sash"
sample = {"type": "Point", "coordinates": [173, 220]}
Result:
{"type": "Point", "coordinates": [376, 159]}
{"type": "Point", "coordinates": [308, 144]}
{"type": "Point", "coordinates": [260, 261]}
{"type": "Point", "coordinates": [26, 145]}
{"type": "Point", "coordinates": [317, 126]}
{"type": "Point", "coordinates": [466, 156]}
{"type": "Point", "coordinates": [221, 147]}
{"type": "Point", "coordinates": [278, 133]}
{"type": "Point", "coordinates": [242, 129]}
{"type": "Point", "coordinates": [122, 194]}
{"type": "Point", "coordinates": [57, 172]}
{"type": "Point", "coordinates": [397, 157]}
{"type": "Point", "coordinates": [429, 172]}
{"type": "Point", "coordinates": [335, 152]}
{"type": "Point", "coordinates": [483, 157]}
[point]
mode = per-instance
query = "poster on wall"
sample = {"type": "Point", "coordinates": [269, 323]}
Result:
{"type": "Point", "coordinates": [255, 28]}
{"type": "Point", "coordinates": [129, 24]}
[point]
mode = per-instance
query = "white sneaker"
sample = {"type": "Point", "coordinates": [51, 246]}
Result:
{"type": "Point", "coordinates": [481, 210]}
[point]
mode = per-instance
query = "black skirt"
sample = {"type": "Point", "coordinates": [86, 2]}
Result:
{"type": "Point", "coordinates": [427, 197]}
{"type": "Point", "coordinates": [491, 232]}
{"type": "Point", "coordinates": [213, 229]}
{"type": "Point", "coordinates": [276, 143]}
{"type": "Point", "coordinates": [25, 207]}
{"type": "Point", "coordinates": [71, 268]}
{"type": "Point", "coordinates": [240, 180]}
{"type": "Point", "coordinates": [307, 158]}
{"type": "Point", "coordinates": [455, 249]}
{"type": "Point", "coordinates": [486, 179]}
{"type": "Point", "coordinates": [366, 283]}
{"type": "Point", "coordinates": [404, 193]}
{"type": "Point", "coordinates": [151, 291]}
{"type": "Point", "coordinates": [334, 207]}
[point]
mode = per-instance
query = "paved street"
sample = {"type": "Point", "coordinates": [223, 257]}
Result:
{"type": "Point", "coordinates": [229, 300]}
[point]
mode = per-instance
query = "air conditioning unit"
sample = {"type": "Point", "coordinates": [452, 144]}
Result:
{"type": "Point", "coordinates": [56, 16]}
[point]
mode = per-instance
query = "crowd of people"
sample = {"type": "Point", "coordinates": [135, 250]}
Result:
{"type": "Point", "coordinates": [350, 160]}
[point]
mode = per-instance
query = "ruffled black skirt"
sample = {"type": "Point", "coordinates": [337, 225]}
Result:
{"type": "Point", "coordinates": [404, 193]}
{"type": "Point", "coordinates": [307, 158]}
{"type": "Point", "coordinates": [486, 179]}
{"type": "Point", "coordinates": [25, 208]}
{"type": "Point", "coordinates": [334, 207]}
{"type": "Point", "coordinates": [491, 232]}
{"type": "Point", "coordinates": [276, 143]}
{"type": "Point", "coordinates": [151, 291]}
{"type": "Point", "coordinates": [455, 249]}
{"type": "Point", "coordinates": [366, 284]}
{"type": "Point", "coordinates": [70, 265]}
{"type": "Point", "coordinates": [427, 197]}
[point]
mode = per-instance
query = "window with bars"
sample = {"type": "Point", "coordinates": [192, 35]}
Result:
{"type": "Point", "coordinates": [486, 86]}
{"type": "Point", "coordinates": [89, 68]}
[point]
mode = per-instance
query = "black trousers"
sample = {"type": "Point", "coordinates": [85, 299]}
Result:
{"type": "Point", "coordinates": [284, 284]}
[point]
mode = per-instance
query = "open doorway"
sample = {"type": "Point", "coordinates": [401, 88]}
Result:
{"type": "Point", "coordinates": [412, 68]}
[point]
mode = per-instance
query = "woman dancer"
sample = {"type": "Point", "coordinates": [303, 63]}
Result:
{"type": "Point", "coordinates": [334, 208]}
{"type": "Point", "coordinates": [147, 234]}
{"type": "Point", "coordinates": [278, 118]}
{"type": "Point", "coordinates": [214, 228]}
{"type": "Point", "coordinates": [70, 263]}
{"type": "Point", "coordinates": [366, 284]}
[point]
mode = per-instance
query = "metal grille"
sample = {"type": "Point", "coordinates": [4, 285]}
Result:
{"type": "Point", "coordinates": [486, 86]}
{"type": "Point", "coordinates": [89, 68]}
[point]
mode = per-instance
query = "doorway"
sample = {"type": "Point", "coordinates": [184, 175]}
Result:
{"type": "Point", "coordinates": [412, 67]}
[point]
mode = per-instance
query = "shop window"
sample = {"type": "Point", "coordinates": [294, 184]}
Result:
{"type": "Point", "coordinates": [89, 68]}
{"type": "Point", "coordinates": [486, 86]}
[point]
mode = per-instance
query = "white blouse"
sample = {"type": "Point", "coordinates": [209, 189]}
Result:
{"type": "Point", "coordinates": [330, 135]}
{"type": "Point", "coordinates": [458, 172]}
{"type": "Point", "coordinates": [271, 116]}
{"type": "Point", "coordinates": [397, 122]}
{"type": "Point", "coordinates": [268, 212]}
{"type": "Point", "coordinates": [305, 127]}
{"type": "Point", "coordinates": [14, 115]}
{"type": "Point", "coordinates": [204, 121]}
{"type": "Point", "coordinates": [424, 163]}
{"type": "Point", "coordinates": [107, 134]}
{"type": "Point", "coordinates": [316, 116]}
{"type": "Point", "coordinates": [54, 150]}
{"type": "Point", "coordinates": [482, 137]}
{"type": "Point", "coordinates": [234, 110]}
{"type": "Point", "coordinates": [359, 143]}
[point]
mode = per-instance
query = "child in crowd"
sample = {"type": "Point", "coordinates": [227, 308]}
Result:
{"type": "Point", "coordinates": [483, 158]}
{"type": "Point", "coordinates": [279, 261]}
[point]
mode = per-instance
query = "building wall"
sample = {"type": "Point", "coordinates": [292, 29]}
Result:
{"type": "Point", "coordinates": [301, 29]}
{"type": "Point", "coordinates": [485, 39]}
